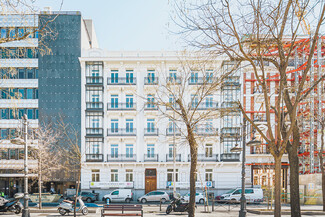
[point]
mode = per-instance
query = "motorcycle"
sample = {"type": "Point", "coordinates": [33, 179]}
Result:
{"type": "Point", "coordinates": [177, 206]}
{"type": "Point", "coordinates": [12, 205]}
{"type": "Point", "coordinates": [67, 206]}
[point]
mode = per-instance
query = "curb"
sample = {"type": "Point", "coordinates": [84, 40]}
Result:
{"type": "Point", "coordinates": [303, 212]}
{"type": "Point", "coordinates": [56, 211]}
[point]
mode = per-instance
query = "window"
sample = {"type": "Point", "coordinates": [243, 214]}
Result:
{"type": "Point", "coordinates": [4, 114]}
{"type": "Point", "coordinates": [150, 150]}
{"type": "Point", "coordinates": [208, 175]}
{"type": "Point", "coordinates": [209, 75]}
{"type": "Point", "coordinates": [129, 151]}
{"type": "Point", "coordinates": [29, 93]}
{"type": "Point", "coordinates": [129, 125]}
{"type": "Point", "coordinates": [114, 101]}
{"type": "Point", "coordinates": [114, 151]}
{"type": "Point", "coordinates": [115, 193]}
{"type": "Point", "coordinates": [208, 150]}
{"type": "Point", "coordinates": [114, 175]}
{"type": "Point", "coordinates": [170, 175]}
{"type": "Point", "coordinates": [30, 113]}
{"type": "Point", "coordinates": [21, 73]}
{"type": "Point", "coordinates": [94, 149]}
{"type": "Point", "coordinates": [150, 125]}
{"type": "Point", "coordinates": [209, 101]}
{"type": "Point", "coordinates": [209, 126]}
{"type": "Point", "coordinates": [4, 33]}
{"type": "Point", "coordinates": [95, 123]}
{"type": "Point", "coordinates": [172, 75]}
{"type": "Point", "coordinates": [95, 175]}
{"type": "Point", "coordinates": [151, 76]}
{"type": "Point", "coordinates": [194, 100]}
{"type": "Point", "coordinates": [129, 175]}
{"type": "Point", "coordinates": [194, 77]}
{"type": "Point", "coordinates": [30, 73]}
{"type": "Point", "coordinates": [20, 32]}
{"type": "Point", "coordinates": [129, 77]}
{"type": "Point", "coordinates": [12, 33]}
{"type": "Point", "coordinates": [114, 76]}
{"type": "Point", "coordinates": [129, 101]}
{"type": "Point", "coordinates": [171, 151]}
{"type": "Point", "coordinates": [150, 101]}
{"type": "Point", "coordinates": [114, 125]}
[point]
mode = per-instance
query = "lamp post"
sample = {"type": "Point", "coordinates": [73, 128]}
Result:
{"type": "Point", "coordinates": [243, 211]}
{"type": "Point", "coordinates": [19, 141]}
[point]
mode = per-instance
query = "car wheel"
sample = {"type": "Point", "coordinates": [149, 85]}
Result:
{"type": "Point", "coordinates": [143, 200]}
{"type": "Point", "coordinates": [201, 201]}
{"type": "Point", "coordinates": [128, 200]}
{"type": "Point", "coordinates": [89, 200]}
{"type": "Point", "coordinates": [163, 200]}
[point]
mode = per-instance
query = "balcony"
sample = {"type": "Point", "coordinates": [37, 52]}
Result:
{"type": "Point", "coordinates": [229, 106]}
{"type": "Point", "coordinates": [200, 80]}
{"type": "Point", "coordinates": [121, 81]}
{"type": "Point", "coordinates": [170, 132]}
{"type": "Point", "coordinates": [121, 106]}
{"type": "Point", "coordinates": [150, 107]}
{"type": "Point", "coordinates": [94, 81]}
{"type": "Point", "coordinates": [170, 158]}
{"type": "Point", "coordinates": [121, 132]}
{"type": "Point", "coordinates": [121, 158]}
{"type": "Point", "coordinates": [151, 131]}
{"type": "Point", "coordinates": [261, 149]}
{"type": "Point", "coordinates": [175, 106]}
{"type": "Point", "coordinates": [150, 80]}
{"type": "Point", "coordinates": [206, 131]}
{"type": "Point", "coordinates": [230, 157]}
{"type": "Point", "coordinates": [150, 158]}
{"type": "Point", "coordinates": [205, 157]}
{"type": "Point", "coordinates": [205, 106]}
{"type": "Point", "coordinates": [230, 132]}
{"type": "Point", "coordinates": [231, 81]}
{"type": "Point", "coordinates": [94, 158]}
{"type": "Point", "coordinates": [94, 132]}
{"type": "Point", "coordinates": [94, 106]}
{"type": "Point", "coordinates": [172, 80]}
{"type": "Point", "coordinates": [260, 118]}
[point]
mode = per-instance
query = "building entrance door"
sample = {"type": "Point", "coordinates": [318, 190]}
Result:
{"type": "Point", "coordinates": [150, 180]}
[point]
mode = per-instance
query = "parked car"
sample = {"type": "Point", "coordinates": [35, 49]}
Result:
{"type": "Point", "coordinates": [85, 196]}
{"type": "Point", "coordinates": [253, 195]}
{"type": "Point", "coordinates": [199, 198]}
{"type": "Point", "coordinates": [119, 195]}
{"type": "Point", "coordinates": [154, 196]}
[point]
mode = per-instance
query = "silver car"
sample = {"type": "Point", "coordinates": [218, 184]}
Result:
{"type": "Point", "coordinates": [154, 196]}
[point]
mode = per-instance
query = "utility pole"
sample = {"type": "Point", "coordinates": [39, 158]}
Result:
{"type": "Point", "coordinates": [25, 212]}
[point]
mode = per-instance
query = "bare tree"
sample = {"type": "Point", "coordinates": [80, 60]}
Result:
{"type": "Point", "coordinates": [71, 152]}
{"type": "Point", "coordinates": [48, 156]}
{"type": "Point", "coordinates": [261, 33]}
{"type": "Point", "coordinates": [181, 98]}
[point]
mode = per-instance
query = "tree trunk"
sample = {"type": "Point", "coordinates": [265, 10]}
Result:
{"type": "Point", "coordinates": [191, 210]}
{"type": "Point", "coordinates": [40, 184]}
{"type": "Point", "coordinates": [294, 174]}
{"type": "Point", "coordinates": [321, 160]}
{"type": "Point", "coordinates": [77, 192]}
{"type": "Point", "coordinates": [277, 188]}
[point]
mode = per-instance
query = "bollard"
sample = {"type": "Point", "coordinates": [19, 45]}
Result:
{"type": "Point", "coordinates": [107, 201]}
{"type": "Point", "coordinates": [212, 204]}
{"type": "Point", "coordinates": [160, 205]}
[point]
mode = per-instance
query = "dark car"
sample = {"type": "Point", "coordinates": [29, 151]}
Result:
{"type": "Point", "coordinates": [85, 196]}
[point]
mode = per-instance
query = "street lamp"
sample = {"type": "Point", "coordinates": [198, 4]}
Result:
{"type": "Point", "coordinates": [254, 142]}
{"type": "Point", "coordinates": [19, 141]}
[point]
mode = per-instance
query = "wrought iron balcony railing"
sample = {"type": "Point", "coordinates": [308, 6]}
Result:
{"type": "Point", "coordinates": [121, 106]}
{"type": "Point", "coordinates": [150, 158]}
{"type": "Point", "coordinates": [121, 81]}
{"type": "Point", "coordinates": [121, 132]}
{"type": "Point", "coordinates": [121, 157]}
{"type": "Point", "coordinates": [94, 157]}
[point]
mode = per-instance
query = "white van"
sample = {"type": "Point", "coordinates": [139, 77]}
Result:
{"type": "Point", "coordinates": [119, 195]}
{"type": "Point", "coordinates": [253, 195]}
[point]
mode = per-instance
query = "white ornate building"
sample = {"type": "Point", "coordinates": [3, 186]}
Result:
{"type": "Point", "coordinates": [126, 142]}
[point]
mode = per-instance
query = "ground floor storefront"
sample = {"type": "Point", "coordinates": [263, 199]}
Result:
{"type": "Point", "coordinates": [215, 177]}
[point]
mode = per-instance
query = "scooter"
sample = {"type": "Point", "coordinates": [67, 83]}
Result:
{"type": "Point", "coordinates": [12, 205]}
{"type": "Point", "coordinates": [177, 206]}
{"type": "Point", "coordinates": [67, 206]}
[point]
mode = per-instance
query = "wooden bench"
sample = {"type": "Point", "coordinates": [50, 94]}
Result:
{"type": "Point", "coordinates": [122, 210]}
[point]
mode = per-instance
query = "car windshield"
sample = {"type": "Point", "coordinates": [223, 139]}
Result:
{"type": "Point", "coordinates": [232, 190]}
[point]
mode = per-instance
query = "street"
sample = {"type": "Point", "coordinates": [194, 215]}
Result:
{"type": "Point", "coordinates": [153, 211]}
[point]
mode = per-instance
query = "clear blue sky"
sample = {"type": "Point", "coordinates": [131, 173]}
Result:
{"type": "Point", "coordinates": [124, 24]}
